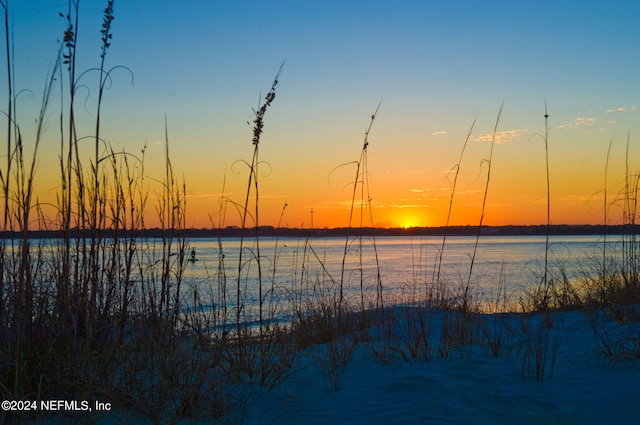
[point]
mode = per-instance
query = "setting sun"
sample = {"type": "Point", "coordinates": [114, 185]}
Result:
{"type": "Point", "coordinates": [407, 221]}
{"type": "Point", "coordinates": [407, 224]}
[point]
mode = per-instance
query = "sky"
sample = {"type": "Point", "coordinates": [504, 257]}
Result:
{"type": "Point", "coordinates": [432, 67]}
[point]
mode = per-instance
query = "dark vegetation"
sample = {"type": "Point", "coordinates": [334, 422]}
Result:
{"type": "Point", "coordinates": [292, 232]}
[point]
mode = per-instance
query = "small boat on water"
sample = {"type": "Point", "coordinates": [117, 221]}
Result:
{"type": "Point", "coordinates": [192, 258]}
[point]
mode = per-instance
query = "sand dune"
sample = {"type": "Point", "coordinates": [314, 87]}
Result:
{"type": "Point", "coordinates": [584, 386]}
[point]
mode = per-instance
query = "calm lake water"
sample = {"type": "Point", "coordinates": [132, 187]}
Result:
{"type": "Point", "coordinates": [403, 269]}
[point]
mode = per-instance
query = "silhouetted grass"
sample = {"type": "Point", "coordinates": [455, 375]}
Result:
{"type": "Point", "coordinates": [97, 313]}
{"type": "Point", "coordinates": [466, 295]}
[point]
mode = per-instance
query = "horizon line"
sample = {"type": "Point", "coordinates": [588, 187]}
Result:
{"type": "Point", "coordinates": [267, 230]}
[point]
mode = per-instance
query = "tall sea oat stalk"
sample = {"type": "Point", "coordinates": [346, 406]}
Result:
{"type": "Point", "coordinates": [172, 214]}
{"type": "Point", "coordinates": [453, 192]}
{"type": "Point", "coordinates": [489, 161]}
{"type": "Point", "coordinates": [629, 247]}
{"type": "Point", "coordinates": [379, 288]}
{"type": "Point", "coordinates": [546, 284]}
{"type": "Point", "coordinates": [274, 262]}
{"type": "Point", "coordinates": [221, 274]}
{"type": "Point", "coordinates": [103, 76]}
{"type": "Point", "coordinates": [258, 125]}
{"type": "Point", "coordinates": [546, 151]}
{"type": "Point", "coordinates": [605, 211]}
{"type": "Point", "coordinates": [67, 295]}
{"type": "Point", "coordinates": [95, 215]}
{"type": "Point", "coordinates": [360, 180]}
{"type": "Point", "coordinates": [6, 176]}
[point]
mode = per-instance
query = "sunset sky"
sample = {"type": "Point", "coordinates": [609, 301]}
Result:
{"type": "Point", "coordinates": [432, 66]}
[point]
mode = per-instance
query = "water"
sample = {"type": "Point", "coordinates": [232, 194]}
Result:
{"type": "Point", "coordinates": [296, 271]}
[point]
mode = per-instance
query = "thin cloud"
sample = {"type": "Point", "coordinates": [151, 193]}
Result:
{"type": "Point", "coordinates": [341, 205]}
{"type": "Point", "coordinates": [580, 122]}
{"type": "Point", "coordinates": [585, 121]}
{"type": "Point", "coordinates": [209, 195]}
{"type": "Point", "coordinates": [591, 121]}
{"type": "Point", "coordinates": [422, 171]}
{"type": "Point", "coordinates": [403, 205]}
{"type": "Point", "coordinates": [575, 199]}
{"type": "Point", "coordinates": [274, 197]}
{"type": "Point", "coordinates": [439, 133]}
{"type": "Point", "coordinates": [621, 109]}
{"type": "Point", "coordinates": [502, 137]}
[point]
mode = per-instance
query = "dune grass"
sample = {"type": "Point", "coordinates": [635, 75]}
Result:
{"type": "Point", "coordinates": [98, 311]}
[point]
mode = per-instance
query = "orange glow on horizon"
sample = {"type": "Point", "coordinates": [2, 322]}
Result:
{"type": "Point", "coordinates": [404, 191]}
{"type": "Point", "coordinates": [204, 214]}
{"type": "Point", "coordinates": [408, 219]}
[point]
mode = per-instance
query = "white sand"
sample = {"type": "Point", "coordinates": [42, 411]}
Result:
{"type": "Point", "coordinates": [471, 386]}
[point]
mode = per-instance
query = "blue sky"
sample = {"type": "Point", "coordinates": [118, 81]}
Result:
{"type": "Point", "coordinates": [435, 65]}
